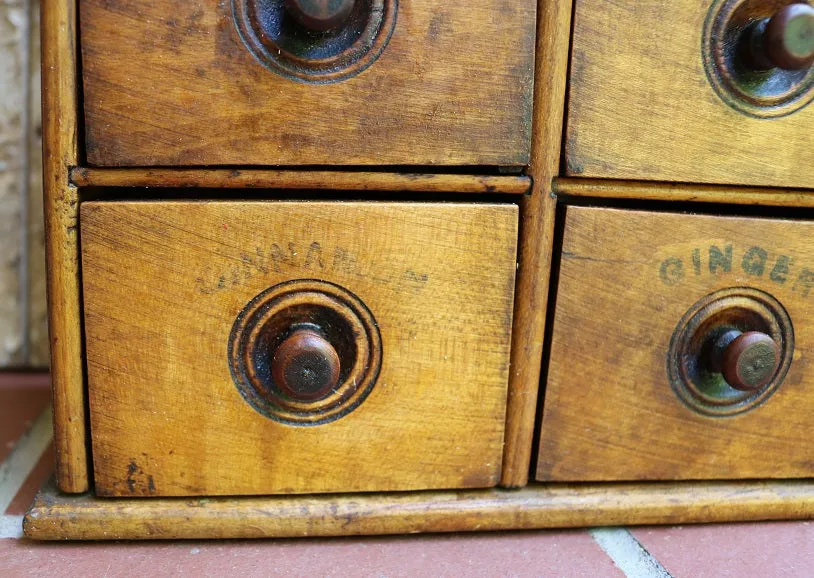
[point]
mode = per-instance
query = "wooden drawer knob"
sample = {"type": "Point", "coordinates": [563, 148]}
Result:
{"type": "Point", "coordinates": [305, 365]}
{"type": "Point", "coordinates": [320, 15]}
{"type": "Point", "coordinates": [786, 40]}
{"type": "Point", "coordinates": [747, 361]}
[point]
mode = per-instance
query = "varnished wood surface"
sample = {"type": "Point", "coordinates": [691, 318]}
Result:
{"type": "Point", "coordinates": [298, 180]}
{"type": "Point", "coordinates": [164, 282]}
{"type": "Point", "coordinates": [55, 516]}
{"type": "Point", "coordinates": [641, 107]}
{"type": "Point", "coordinates": [61, 208]}
{"type": "Point", "coordinates": [610, 412]}
{"type": "Point", "coordinates": [681, 192]}
{"type": "Point", "coordinates": [170, 83]}
{"type": "Point", "coordinates": [536, 238]}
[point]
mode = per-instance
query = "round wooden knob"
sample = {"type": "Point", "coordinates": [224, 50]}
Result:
{"type": "Point", "coordinates": [305, 366]}
{"type": "Point", "coordinates": [320, 15]}
{"type": "Point", "coordinates": [790, 37]}
{"type": "Point", "coordinates": [749, 360]}
{"type": "Point", "coordinates": [786, 40]}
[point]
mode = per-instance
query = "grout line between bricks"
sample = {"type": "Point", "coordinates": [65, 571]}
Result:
{"type": "Point", "coordinates": [19, 464]}
{"type": "Point", "coordinates": [628, 554]}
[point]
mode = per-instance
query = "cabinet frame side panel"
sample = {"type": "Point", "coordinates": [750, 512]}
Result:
{"type": "Point", "coordinates": [60, 111]}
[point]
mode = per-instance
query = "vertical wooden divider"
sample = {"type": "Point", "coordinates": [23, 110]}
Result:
{"type": "Point", "coordinates": [536, 237]}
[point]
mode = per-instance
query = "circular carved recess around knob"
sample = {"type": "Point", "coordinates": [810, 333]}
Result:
{"type": "Point", "coordinates": [730, 352]}
{"type": "Point", "coordinates": [315, 41]}
{"type": "Point", "coordinates": [758, 55]}
{"type": "Point", "coordinates": [305, 352]}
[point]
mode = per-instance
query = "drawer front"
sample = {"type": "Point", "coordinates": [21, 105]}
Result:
{"type": "Point", "coordinates": [657, 92]}
{"type": "Point", "coordinates": [283, 347]}
{"type": "Point", "coordinates": [196, 82]}
{"type": "Point", "coordinates": [680, 349]}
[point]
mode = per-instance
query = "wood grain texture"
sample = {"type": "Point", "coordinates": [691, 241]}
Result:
{"type": "Point", "coordinates": [164, 282]}
{"type": "Point", "coordinates": [299, 180]}
{"type": "Point", "coordinates": [61, 207]}
{"type": "Point", "coordinates": [177, 87]}
{"type": "Point", "coordinates": [536, 239]}
{"type": "Point", "coordinates": [54, 516]}
{"type": "Point", "coordinates": [681, 192]}
{"type": "Point", "coordinates": [610, 412]}
{"type": "Point", "coordinates": [641, 107]}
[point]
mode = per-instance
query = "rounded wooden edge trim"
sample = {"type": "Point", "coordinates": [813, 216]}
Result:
{"type": "Point", "coordinates": [55, 516]}
{"type": "Point", "coordinates": [60, 108]}
{"type": "Point", "coordinates": [299, 180]}
{"type": "Point", "coordinates": [698, 193]}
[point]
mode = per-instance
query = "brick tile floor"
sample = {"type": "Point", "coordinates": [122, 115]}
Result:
{"type": "Point", "coordinates": [742, 550]}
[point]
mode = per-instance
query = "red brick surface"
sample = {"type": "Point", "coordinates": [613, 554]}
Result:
{"type": "Point", "coordinates": [769, 550]}
{"type": "Point", "coordinates": [22, 399]}
{"type": "Point", "coordinates": [566, 554]}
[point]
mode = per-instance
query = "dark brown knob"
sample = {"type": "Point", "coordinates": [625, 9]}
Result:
{"type": "Point", "coordinates": [320, 15]}
{"type": "Point", "coordinates": [786, 40]}
{"type": "Point", "coordinates": [305, 366]}
{"type": "Point", "coordinates": [747, 361]}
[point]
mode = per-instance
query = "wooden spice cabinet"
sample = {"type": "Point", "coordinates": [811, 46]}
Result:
{"type": "Point", "coordinates": [300, 265]}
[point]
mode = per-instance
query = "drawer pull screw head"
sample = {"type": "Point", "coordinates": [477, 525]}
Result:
{"type": "Point", "coordinates": [747, 361]}
{"type": "Point", "coordinates": [786, 40]}
{"type": "Point", "coordinates": [305, 365]}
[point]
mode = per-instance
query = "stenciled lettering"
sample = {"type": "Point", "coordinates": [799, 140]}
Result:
{"type": "Point", "coordinates": [755, 261]}
{"type": "Point", "coordinates": [780, 270]}
{"type": "Point", "coordinates": [672, 270]}
{"type": "Point", "coordinates": [286, 258]}
{"type": "Point", "coordinates": [720, 259]}
{"type": "Point", "coordinates": [804, 283]}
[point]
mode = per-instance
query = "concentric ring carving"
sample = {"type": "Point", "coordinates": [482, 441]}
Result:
{"type": "Point", "coordinates": [282, 45]}
{"type": "Point", "coordinates": [740, 308]}
{"type": "Point", "coordinates": [758, 93]}
{"type": "Point", "coordinates": [268, 319]}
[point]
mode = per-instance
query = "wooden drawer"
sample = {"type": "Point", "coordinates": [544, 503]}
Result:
{"type": "Point", "coordinates": [650, 98]}
{"type": "Point", "coordinates": [175, 82]}
{"type": "Point", "coordinates": [188, 306]}
{"type": "Point", "coordinates": [636, 389]}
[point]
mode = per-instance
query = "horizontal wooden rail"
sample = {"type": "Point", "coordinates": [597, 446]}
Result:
{"type": "Point", "coordinates": [292, 179]}
{"type": "Point", "coordinates": [55, 516]}
{"type": "Point", "coordinates": [699, 193]}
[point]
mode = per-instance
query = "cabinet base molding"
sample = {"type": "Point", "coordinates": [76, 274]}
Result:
{"type": "Point", "coordinates": [58, 516]}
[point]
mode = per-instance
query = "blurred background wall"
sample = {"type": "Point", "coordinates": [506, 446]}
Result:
{"type": "Point", "coordinates": [23, 328]}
